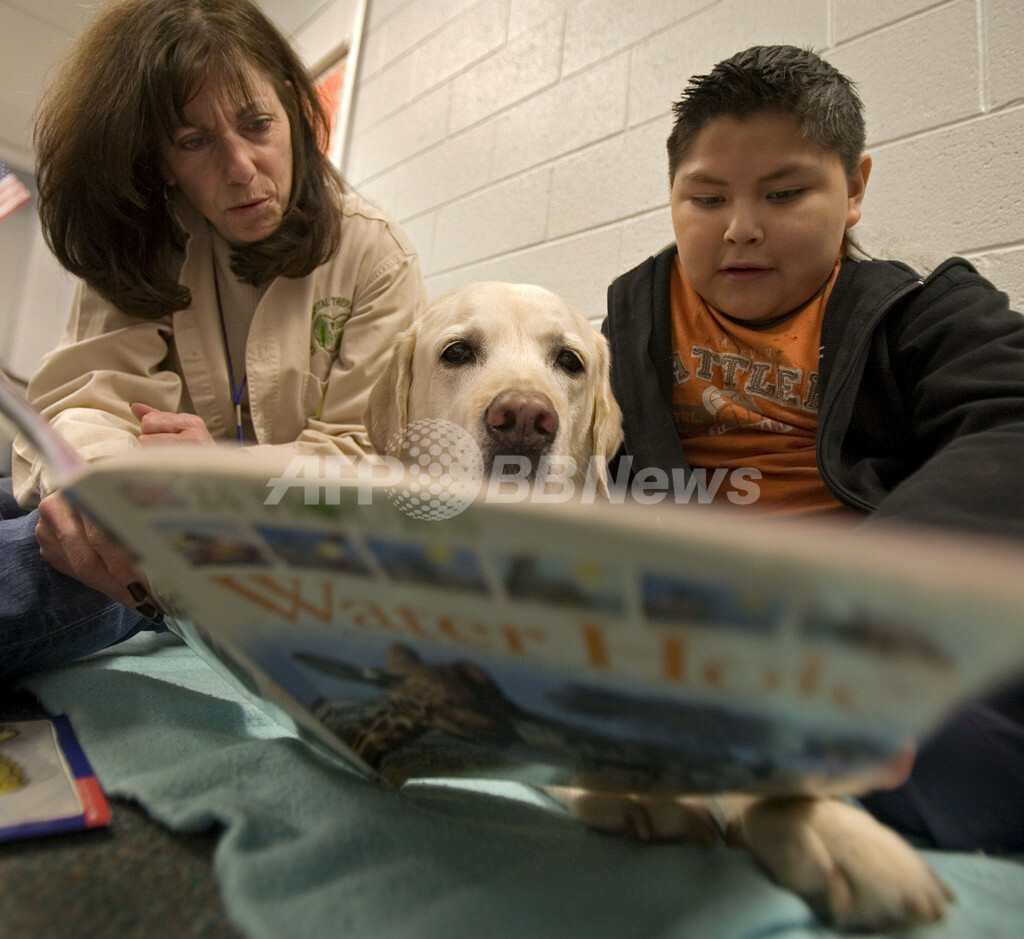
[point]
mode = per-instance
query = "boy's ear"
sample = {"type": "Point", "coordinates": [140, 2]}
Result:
{"type": "Point", "coordinates": [856, 184]}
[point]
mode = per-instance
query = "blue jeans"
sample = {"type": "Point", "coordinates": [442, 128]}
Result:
{"type": "Point", "coordinates": [966, 791]}
{"type": "Point", "coordinates": [47, 618]}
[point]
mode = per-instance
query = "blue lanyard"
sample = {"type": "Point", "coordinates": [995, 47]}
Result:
{"type": "Point", "coordinates": [237, 392]}
{"type": "Point", "coordinates": [237, 397]}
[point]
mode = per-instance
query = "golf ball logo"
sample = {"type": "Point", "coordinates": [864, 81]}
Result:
{"type": "Point", "coordinates": [444, 469]}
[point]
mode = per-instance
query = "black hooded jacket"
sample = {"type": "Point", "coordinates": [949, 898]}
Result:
{"type": "Point", "coordinates": [921, 387]}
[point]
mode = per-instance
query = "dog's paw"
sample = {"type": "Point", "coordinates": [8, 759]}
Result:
{"type": "Point", "coordinates": [850, 869]}
{"type": "Point", "coordinates": [641, 815]}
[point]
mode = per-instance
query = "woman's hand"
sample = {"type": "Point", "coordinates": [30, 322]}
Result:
{"type": "Point", "coordinates": [76, 547]}
{"type": "Point", "coordinates": [168, 427]}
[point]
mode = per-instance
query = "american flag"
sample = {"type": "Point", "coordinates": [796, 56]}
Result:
{"type": "Point", "coordinates": [12, 192]}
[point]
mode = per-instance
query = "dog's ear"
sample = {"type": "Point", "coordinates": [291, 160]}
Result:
{"type": "Point", "coordinates": [387, 412]}
{"type": "Point", "coordinates": [606, 426]}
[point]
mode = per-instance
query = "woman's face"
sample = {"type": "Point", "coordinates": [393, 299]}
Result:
{"type": "Point", "coordinates": [233, 161]}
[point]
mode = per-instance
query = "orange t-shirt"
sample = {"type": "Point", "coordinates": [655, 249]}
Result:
{"type": "Point", "coordinates": [746, 398]}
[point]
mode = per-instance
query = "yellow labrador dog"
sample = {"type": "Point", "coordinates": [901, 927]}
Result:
{"type": "Point", "coordinates": [527, 376]}
{"type": "Point", "coordinates": [515, 366]}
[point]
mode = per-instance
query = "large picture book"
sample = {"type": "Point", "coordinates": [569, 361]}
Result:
{"type": "Point", "coordinates": [550, 641]}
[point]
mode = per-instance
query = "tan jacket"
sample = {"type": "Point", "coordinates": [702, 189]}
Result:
{"type": "Point", "coordinates": [315, 347]}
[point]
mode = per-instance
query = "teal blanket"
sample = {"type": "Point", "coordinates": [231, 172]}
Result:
{"type": "Point", "coordinates": [310, 850]}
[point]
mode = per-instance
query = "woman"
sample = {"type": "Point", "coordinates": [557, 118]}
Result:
{"type": "Point", "coordinates": [230, 290]}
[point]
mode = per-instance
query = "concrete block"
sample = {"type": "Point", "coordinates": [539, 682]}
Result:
{"type": "Point", "coordinates": [425, 68]}
{"type": "Point", "coordinates": [852, 18]}
{"type": "Point", "coordinates": [1004, 39]}
{"type": "Point", "coordinates": [611, 181]}
{"type": "Point", "coordinates": [663, 63]}
{"type": "Point", "coordinates": [578, 269]}
{"type": "Point", "coordinates": [454, 169]}
{"type": "Point", "coordinates": [377, 11]}
{"type": "Point", "coordinates": [596, 29]}
{"type": "Point", "coordinates": [1005, 268]}
{"type": "Point", "coordinates": [371, 54]}
{"type": "Point", "coordinates": [398, 138]}
{"type": "Point", "coordinates": [383, 94]}
{"type": "Point", "coordinates": [645, 236]}
{"type": "Point", "coordinates": [524, 66]}
{"type": "Point", "coordinates": [380, 191]}
{"type": "Point", "coordinates": [582, 110]}
{"type": "Point", "coordinates": [419, 20]}
{"type": "Point", "coordinates": [322, 33]}
{"type": "Point", "coordinates": [421, 232]}
{"type": "Point", "coordinates": [460, 166]}
{"type": "Point", "coordinates": [464, 41]}
{"type": "Point", "coordinates": [390, 191]}
{"type": "Point", "coordinates": [956, 191]}
{"type": "Point", "coordinates": [499, 220]}
{"type": "Point", "coordinates": [525, 14]}
{"type": "Point", "coordinates": [917, 75]}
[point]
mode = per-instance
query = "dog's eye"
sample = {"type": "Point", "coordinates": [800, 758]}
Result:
{"type": "Point", "coordinates": [458, 353]}
{"type": "Point", "coordinates": [569, 362]}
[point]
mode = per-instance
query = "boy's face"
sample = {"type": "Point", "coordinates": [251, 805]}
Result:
{"type": "Point", "coordinates": [760, 214]}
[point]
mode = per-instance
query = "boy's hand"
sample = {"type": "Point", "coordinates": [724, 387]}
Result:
{"type": "Point", "coordinates": [897, 771]}
{"type": "Point", "coordinates": [168, 427]}
{"type": "Point", "coordinates": [76, 547]}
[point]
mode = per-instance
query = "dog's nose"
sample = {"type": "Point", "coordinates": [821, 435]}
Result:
{"type": "Point", "coordinates": [525, 419]}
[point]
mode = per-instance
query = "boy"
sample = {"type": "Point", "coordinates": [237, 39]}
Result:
{"type": "Point", "coordinates": [850, 387]}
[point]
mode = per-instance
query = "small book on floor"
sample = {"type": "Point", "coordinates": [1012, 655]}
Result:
{"type": "Point", "coordinates": [47, 786]}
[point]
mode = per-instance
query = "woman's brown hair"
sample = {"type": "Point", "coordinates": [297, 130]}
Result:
{"type": "Point", "coordinates": [120, 90]}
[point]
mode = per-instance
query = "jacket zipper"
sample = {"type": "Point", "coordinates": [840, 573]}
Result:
{"type": "Point", "coordinates": [839, 380]}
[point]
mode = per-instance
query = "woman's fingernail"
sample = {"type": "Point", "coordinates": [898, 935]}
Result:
{"type": "Point", "coordinates": [147, 610]}
{"type": "Point", "coordinates": [137, 591]}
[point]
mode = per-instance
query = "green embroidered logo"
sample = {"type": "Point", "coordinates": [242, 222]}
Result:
{"type": "Point", "coordinates": [329, 318]}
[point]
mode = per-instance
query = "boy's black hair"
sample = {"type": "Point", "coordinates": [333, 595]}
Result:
{"type": "Point", "coordinates": [776, 80]}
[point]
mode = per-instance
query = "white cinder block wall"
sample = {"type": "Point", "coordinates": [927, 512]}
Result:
{"type": "Point", "coordinates": [524, 139]}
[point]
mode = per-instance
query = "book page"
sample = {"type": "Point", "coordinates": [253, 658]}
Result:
{"type": "Point", "coordinates": [541, 640]}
